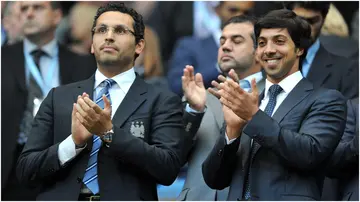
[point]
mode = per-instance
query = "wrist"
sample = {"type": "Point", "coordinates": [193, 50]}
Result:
{"type": "Point", "coordinates": [199, 108]}
{"type": "Point", "coordinates": [233, 132]}
{"type": "Point", "coordinates": [78, 143]}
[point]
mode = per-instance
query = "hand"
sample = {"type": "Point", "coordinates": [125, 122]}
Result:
{"type": "Point", "coordinates": [193, 88]}
{"type": "Point", "coordinates": [79, 133]}
{"type": "Point", "coordinates": [242, 103]}
{"type": "Point", "coordinates": [95, 119]}
{"type": "Point", "coordinates": [234, 124]}
{"type": "Point", "coordinates": [232, 75]}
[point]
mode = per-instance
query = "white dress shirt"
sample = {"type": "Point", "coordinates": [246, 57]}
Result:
{"type": "Point", "coordinates": [287, 84]}
{"type": "Point", "coordinates": [67, 151]}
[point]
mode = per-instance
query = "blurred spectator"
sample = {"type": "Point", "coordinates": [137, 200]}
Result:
{"type": "Point", "coordinates": [334, 23]}
{"type": "Point", "coordinates": [174, 20]}
{"type": "Point", "coordinates": [12, 23]}
{"type": "Point", "coordinates": [145, 8]}
{"type": "Point", "coordinates": [320, 66]}
{"type": "Point", "coordinates": [81, 17]}
{"type": "Point", "coordinates": [30, 68]}
{"type": "Point", "coordinates": [202, 52]}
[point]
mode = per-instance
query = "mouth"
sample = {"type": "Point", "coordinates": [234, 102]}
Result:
{"type": "Point", "coordinates": [273, 61]}
{"type": "Point", "coordinates": [226, 58]}
{"type": "Point", "coordinates": [108, 48]}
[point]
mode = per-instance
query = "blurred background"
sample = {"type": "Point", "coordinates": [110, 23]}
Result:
{"type": "Point", "coordinates": [167, 23]}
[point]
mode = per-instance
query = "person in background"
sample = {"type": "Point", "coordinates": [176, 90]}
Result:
{"type": "Point", "coordinates": [201, 52]}
{"type": "Point", "coordinates": [30, 68]}
{"type": "Point", "coordinates": [203, 116]}
{"type": "Point", "coordinates": [12, 23]}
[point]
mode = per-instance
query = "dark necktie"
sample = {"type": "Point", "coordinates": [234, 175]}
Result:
{"type": "Point", "coordinates": [36, 55]}
{"type": "Point", "coordinates": [91, 176]}
{"type": "Point", "coordinates": [274, 91]}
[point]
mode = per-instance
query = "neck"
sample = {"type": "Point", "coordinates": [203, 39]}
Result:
{"type": "Point", "coordinates": [255, 68]}
{"type": "Point", "coordinates": [111, 71]}
{"type": "Point", "coordinates": [40, 41]}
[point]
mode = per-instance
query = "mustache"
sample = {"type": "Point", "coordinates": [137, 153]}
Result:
{"type": "Point", "coordinates": [107, 45]}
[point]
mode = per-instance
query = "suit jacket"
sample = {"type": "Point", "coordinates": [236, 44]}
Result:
{"type": "Point", "coordinates": [201, 53]}
{"type": "Point", "coordinates": [344, 164]}
{"type": "Point", "coordinates": [335, 72]}
{"type": "Point", "coordinates": [294, 144]}
{"type": "Point", "coordinates": [171, 20]}
{"type": "Point", "coordinates": [205, 130]}
{"type": "Point", "coordinates": [14, 93]}
{"type": "Point", "coordinates": [130, 168]}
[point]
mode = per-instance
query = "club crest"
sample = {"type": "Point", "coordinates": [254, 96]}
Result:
{"type": "Point", "coordinates": [137, 129]}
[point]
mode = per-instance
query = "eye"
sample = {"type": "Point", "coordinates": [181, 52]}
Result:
{"type": "Point", "coordinates": [237, 41]}
{"type": "Point", "coordinates": [24, 8]}
{"type": "Point", "coordinates": [101, 30]}
{"type": "Point", "coordinates": [222, 41]}
{"type": "Point", "coordinates": [280, 42]}
{"type": "Point", "coordinates": [119, 30]}
{"type": "Point", "coordinates": [261, 43]}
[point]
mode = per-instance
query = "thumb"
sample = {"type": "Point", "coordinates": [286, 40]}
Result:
{"type": "Point", "coordinates": [107, 104]}
{"type": "Point", "coordinates": [74, 110]}
{"type": "Point", "coordinates": [199, 80]}
{"type": "Point", "coordinates": [254, 87]}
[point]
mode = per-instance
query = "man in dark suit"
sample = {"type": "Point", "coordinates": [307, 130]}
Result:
{"type": "Point", "coordinates": [201, 52]}
{"type": "Point", "coordinates": [274, 146]}
{"type": "Point", "coordinates": [55, 65]}
{"type": "Point", "coordinates": [344, 164]}
{"type": "Point", "coordinates": [204, 117]}
{"type": "Point", "coordinates": [112, 136]}
{"type": "Point", "coordinates": [320, 66]}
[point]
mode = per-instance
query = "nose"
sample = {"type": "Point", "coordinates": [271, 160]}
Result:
{"type": "Point", "coordinates": [109, 35]}
{"type": "Point", "coordinates": [226, 46]}
{"type": "Point", "coordinates": [29, 12]}
{"type": "Point", "coordinates": [269, 49]}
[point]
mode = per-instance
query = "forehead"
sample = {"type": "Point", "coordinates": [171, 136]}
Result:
{"type": "Point", "coordinates": [307, 13]}
{"type": "Point", "coordinates": [274, 32]}
{"type": "Point", "coordinates": [112, 18]}
{"type": "Point", "coordinates": [33, 3]}
{"type": "Point", "coordinates": [245, 29]}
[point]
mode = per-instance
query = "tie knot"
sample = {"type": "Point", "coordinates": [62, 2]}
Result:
{"type": "Point", "coordinates": [245, 84]}
{"type": "Point", "coordinates": [37, 53]}
{"type": "Point", "coordinates": [108, 82]}
{"type": "Point", "coordinates": [275, 90]}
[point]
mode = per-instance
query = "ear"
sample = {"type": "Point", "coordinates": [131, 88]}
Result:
{"type": "Point", "coordinates": [140, 46]}
{"type": "Point", "coordinates": [299, 52]}
{"type": "Point", "coordinates": [92, 48]}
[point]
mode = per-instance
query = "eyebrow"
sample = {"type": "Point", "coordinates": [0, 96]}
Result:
{"type": "Point", "coordinates": [233, 36]}
{"type": "Point", "coordinates": [276, 36]}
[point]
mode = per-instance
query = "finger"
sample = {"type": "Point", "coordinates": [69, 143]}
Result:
{"type": "Point", "coordinates": [107, 104]}
{"type": "Point", "coordinates": [74, 110]}
{"type": "Point", "coordinates": [215, 84]}
{"type": "Point", "coordinates": [214, 92]}
{"type": "Point", "coordinates": [82, 120]}
{"type": "Point", "coordinates": [235, 88]}
{"type": "Point", "coordinates": [254, 88]}
{"type": "Point", "coordinates": [80, 110]}
{"type": "Point", "coordinates": [191, 71]}
{"type": "Point", "coordinates": [225, 102]}
{"type": "Point", "coordinates": [233, 76]}
{"type": "Point", "coordinates": [199, 80]}
{"type": "Point", "coordinates": [221, 78]}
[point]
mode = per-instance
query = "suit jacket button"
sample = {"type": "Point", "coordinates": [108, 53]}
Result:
{"type": "Point", "coordinates": [78, 180]}
{"type": "Point", "coordinates": [220, 152]}
{"type": "Point", "coordinates": [238, 199]}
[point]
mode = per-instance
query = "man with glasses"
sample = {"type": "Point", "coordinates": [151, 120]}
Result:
{"type": "Point", "coordinates": [111, 137]}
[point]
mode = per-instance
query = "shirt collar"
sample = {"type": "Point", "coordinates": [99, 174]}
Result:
{"type": "Point", "coordinates": [123, 80]}
{"type": "Point", "coordinates": [258, 77]}
{"type": "Point", "coordinates": [312, 51]}
{"type": "Point", "coordinates": [287, 84]}
{"type": "Point", "coordinates": [51, 48]}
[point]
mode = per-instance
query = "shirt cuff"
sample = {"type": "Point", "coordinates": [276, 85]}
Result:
{"type": "Point", "coordinates": [227, 139]}
{"type": "Point", "coordinates": [67, 150]}
{"type": "Point", "coordinates": [191, 110]}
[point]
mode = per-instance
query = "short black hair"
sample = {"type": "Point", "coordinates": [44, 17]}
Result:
{"type": "Point", "coordinates": [242, 19]}
{"type": "Point", "coordinates": [319, 6]}
{"type": "Point", "coordinates": [299, 30]}
{"type": "Point", "coordinates": [139, 27]}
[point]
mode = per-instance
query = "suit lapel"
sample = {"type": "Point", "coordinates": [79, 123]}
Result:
{"type": "Point", "coordinates": [131, 102]}
{"type": "Point", "coordinates": [299, 93]}
{"type": "Point", "coordinates": [86, 86]}
{"type": "Point", "coordinates": [320, 67]}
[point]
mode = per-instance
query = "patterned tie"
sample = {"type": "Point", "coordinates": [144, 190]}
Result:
{"type": "Point", "coordinates": [245, 84]}
{"type": "Point", "coordinates": [90, 177]}
{"type": "Point", "coordinates": [274, 91]}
